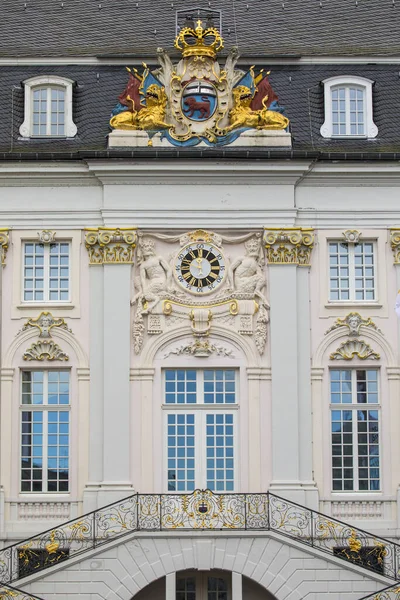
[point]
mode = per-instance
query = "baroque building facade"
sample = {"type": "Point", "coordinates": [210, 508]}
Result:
{"type": "Point", "coordinates": [199, 349]}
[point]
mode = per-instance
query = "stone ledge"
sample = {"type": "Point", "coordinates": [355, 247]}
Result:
{"type": "Point", "coordinates": [252, 138]}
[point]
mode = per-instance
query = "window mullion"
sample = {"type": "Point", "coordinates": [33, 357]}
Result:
{"type": "Point", "coordinates": [352, 273]}
{"type": "Point", "coordinates": [48, 112]}
{"type": "Point", "coordinates": [46, 273]}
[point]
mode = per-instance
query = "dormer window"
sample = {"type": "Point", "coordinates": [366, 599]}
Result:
{"type": "Point", "coordinates": [348, 108]}
{"type": "Point", "coordinates": [48, 108]}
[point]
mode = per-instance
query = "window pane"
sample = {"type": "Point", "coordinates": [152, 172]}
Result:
{"type": "Point", "coordinates": [33, 281]}
{"type": "Point", "coordinates": [339, 283]}
{"type": "Point", "coordinates": [368, 449]}
{"type": "Point", "coordinates": [58, 451]}
{"type": "Point", "coordinates": [220, 458]}
{"type": "Point", "coordinates": [364, 271]}
{"type": "Point", "coordinates": [31, 451]}
{"type": "Point", "coordinates": [342, 450]}
{"type": "Point", "coordinates": [181, 452]}
{"type": "Point", "coordinates": [58, 270]}
{"type": "Point", "coordinates": [219, 386]}
{"type": "Point", "coordinates": [39, 111]}
{"type": "Point", "coordinates": [341, 387]}
{"type": "Point", "coordinates": [180, 386]}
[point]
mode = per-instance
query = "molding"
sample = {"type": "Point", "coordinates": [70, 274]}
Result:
{"type": "Point", "coordinates": [45, 349]}
{"type": "Point", "coordinates": [289, 246]}
{"type": "Point", "coordinates": [7, 374]}
{"type": "Point", "coordinates": [370, 334]}
{"type": "Point", "coordinates": [143, 374]}
{"type": "Point", "coordinates": [4, 244]}
{"type": "Point", "coordinates": [47, 81]}
{"type": "Point", "coordinates": [47, 236]}
{"type": "Point", "coordinates": [346, 81]}
{"type": "Point", "coordinates": [351, 348]}
{"type": "Point", "coordinates": [353, 321]}
{"type": "Point", "coordinates": [108, 245]}
{"type": "Point", "coordinates": [351, 236]}
{"type": "Point", "coordinates": [83, 374]}
{"type": "Point", "coordinates": [317, 373]}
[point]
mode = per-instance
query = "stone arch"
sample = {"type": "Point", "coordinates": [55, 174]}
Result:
{"type": "Point", "coordinates": [375, 337]}
{"type": "Point", "coordinates": [30, 334]}
{"type": "Point", "coordinates": [245, 346]}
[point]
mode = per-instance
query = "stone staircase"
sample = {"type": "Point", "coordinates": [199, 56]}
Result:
{"type": "Point", "coordinates": [201, 510]}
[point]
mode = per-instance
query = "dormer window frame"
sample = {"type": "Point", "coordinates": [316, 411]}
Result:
{"type": "Point", "coordinates": [347, 82]}
{"type": "Point", "coordinates": [48, 82]}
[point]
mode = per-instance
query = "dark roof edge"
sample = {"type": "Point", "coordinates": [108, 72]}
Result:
{"type": "Point", "coordinates": [206, 154]}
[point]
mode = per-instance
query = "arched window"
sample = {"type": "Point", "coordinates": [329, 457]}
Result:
{"type": "Point", "coordinates": [48, 108]}
{"type": "Point", "coordinates": [348, 108]}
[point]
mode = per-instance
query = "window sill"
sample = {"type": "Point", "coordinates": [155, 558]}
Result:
{"type": "Point", "coordinates": [353, 303]}
{"type": "Point", "coordinates": [44, 305]}
{"type": "Point", "coordinates": [348, 137]}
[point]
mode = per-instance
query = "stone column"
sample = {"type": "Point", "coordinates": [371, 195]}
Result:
{"type": "Point", "coordinates": [111, 254]}
{"type": "Point", "coordinates": [170, 586]}
{"type": "Point", "coordinates": [289, 257]}
{"type": "Point", "coordinates": [6, 379]}
{"type": "Point", "coordinates": [237, 586]}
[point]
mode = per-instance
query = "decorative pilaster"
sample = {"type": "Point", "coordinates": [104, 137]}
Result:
{"type": "Point", "coordinates": [110, 346]}
{"type": "Point", "coordinates": [289, 246]}
{"type": "Point", "coordinates": [4, 244]}
{"type": "Point", "coordinates": [108, 245]}
{"type": "Point", "coordinates": [292, 468]}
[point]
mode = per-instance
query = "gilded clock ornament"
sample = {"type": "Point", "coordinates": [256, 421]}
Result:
{"type": "Point", "coordinates": [200, 268]}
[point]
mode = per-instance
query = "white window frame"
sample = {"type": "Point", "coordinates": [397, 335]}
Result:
{"type": "Point", "coordinates": [353, 407]}
{"type": "Point", "coordinates": [46, 276]}
{"type": "Point", "coordinates": [45, 408]}
{"type": "Point", "coordinates": [371, 130]}
{"type": "Point", "coordinates": [352, 277]}
{"type": "Point", "coordinates": [49, 81]}
{"type": "Point", "coordinates": [200, 410]}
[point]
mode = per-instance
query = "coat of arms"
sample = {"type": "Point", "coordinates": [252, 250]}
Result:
{"type": "Point", "coordinates": [196, 100]}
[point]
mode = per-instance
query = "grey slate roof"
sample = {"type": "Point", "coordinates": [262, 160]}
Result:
{"type": "Point", "coordinates": [259, 27]}
{"type": "Point", "coordinates": [299, 89]}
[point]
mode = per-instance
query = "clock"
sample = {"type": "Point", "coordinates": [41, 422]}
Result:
{"type": "Point", "coordinates": [200, 268]}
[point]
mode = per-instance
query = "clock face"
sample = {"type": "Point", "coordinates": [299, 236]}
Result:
{"type": "Point", "coordinates": [200, 268]}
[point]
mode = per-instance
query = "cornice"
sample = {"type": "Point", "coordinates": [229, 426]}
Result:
{"type": "Point", "coordinates": [46, 173]}
{"type": "Point", "coordinates": [345, 174]}
{"type": "Point", "coordinates": [185, 172]}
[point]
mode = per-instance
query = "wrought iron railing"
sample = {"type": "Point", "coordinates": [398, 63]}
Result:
{"type": "Point", "coordinates": [390, 593]}
{"type": "Point", "coordinates": [7, 592]}
{"type": "Point", "coordinates": [201, 510]}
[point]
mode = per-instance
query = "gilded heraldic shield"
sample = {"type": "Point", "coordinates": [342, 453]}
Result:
{"type": "Point", "coordinates": [199, 100]}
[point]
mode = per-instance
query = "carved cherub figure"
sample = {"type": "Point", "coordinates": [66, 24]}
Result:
{"type": "Point", "coordinates": [155, 275]}
{"type": "Point", "coordinates": [246, 274]}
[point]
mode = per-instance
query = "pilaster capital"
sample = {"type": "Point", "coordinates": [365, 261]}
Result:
{"type": "Point", "coordinates": [289, 245]}
{"type": "Point", "coordinates": [395, 244]}
{"type": "Point", "coordinates": [110, 245]}
{"type": "Point", "coordinates": [142, 374]}
{"type": "Point", "coordinates": [4, 243]}
{"type": "Point", "coordinates": [83, 374]}
{"type": "Point", "coordinates": [7, 374]}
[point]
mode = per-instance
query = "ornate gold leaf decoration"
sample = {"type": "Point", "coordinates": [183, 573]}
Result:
{"type": "Point", "coordinates": [45, 322]}
{"type": "Point", "coordinates": [110, 245]}
{"type": "Point", "coordinates": [291, 246]}
{"type": "Point", "coordinates": [201, 348]}
{"type": "Point", "coordinates": [4, 243]}
{"type": "Point", "coordinates": [351, 236]}
{"type": "Point", "coordinates": [347, 350]}
{"type": "Point", "coordinates": [53, 545]}
{"type": "Point", "coordinates": [45, 349]}
{"type": "Point", "coordinates": [395, 244]}
{"type": "Point", "coordinates": [353, 321]}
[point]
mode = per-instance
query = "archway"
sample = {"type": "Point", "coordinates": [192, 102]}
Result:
{"type": "Point", "coordinates": [194, 584]}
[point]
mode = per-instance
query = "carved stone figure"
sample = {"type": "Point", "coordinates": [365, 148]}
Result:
{"type": "Point", "coordinates": [246, 272]}
{"type": "Point", "coordinates": [155, 275]}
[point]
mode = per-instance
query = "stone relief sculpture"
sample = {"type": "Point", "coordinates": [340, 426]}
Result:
{"type": "Point", "coordinates": [199, 285]}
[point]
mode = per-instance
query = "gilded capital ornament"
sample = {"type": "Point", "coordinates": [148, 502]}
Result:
{"type": "Point", "coordinates": [395, 244]}
{"type": "Point", "coordinates": [4, 243]}
{"type": "Point", "coordinates": [108, 245]}
{"type": "Point", "coordinates": [289, 246]}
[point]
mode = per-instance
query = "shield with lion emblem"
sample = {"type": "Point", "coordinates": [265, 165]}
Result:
{"type": "Point", "coordinates": [199, 100]}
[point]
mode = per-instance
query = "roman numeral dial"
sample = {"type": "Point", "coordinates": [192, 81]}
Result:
{"type": "Point", "coordinates": [200, 268]}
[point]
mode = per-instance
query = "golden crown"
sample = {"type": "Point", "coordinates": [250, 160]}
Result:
{"type": "Point", "coordinates": [199, 41]}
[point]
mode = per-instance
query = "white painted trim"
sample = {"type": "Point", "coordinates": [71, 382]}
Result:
{"type": "Point", "coordinates": [47, 80]}
{"type": "Point", "coordinates": [371, 130]}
